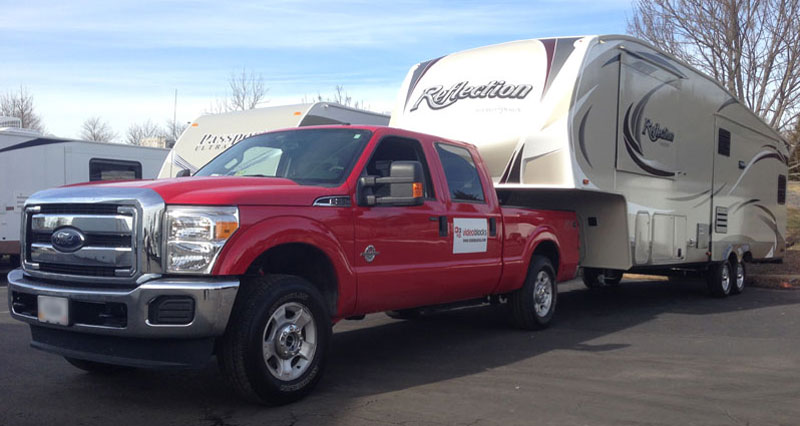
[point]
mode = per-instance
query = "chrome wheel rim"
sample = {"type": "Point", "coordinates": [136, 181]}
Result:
{"type": "Point", "coordinates": [542, 294]}
{"type": "Point", "coordinates": [289, 341]}
{"type": "Point", "coordinates": [739, 276]}
{"type": "Point", "coordinates": [726, 277]}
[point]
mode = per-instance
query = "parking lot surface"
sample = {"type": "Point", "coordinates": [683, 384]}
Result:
{"type": "Point", "coordinates": [645, 353]}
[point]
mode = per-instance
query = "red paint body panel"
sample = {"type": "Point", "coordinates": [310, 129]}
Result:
{"type": "Point", "coordinates": [415, 265]}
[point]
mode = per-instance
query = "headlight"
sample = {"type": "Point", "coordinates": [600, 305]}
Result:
{"type": "Point", "coordinates": [195, 236]}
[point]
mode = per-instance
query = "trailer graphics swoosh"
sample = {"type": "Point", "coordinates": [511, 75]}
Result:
{"type": "Point", "coordinates": [630, 125]}
{"type": "Point", "coordinates": [768, 151]}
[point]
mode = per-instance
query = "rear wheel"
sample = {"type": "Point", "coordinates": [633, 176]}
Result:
{"type": "Point", "coordinates": [533, 305]}
{"type": "Point", "coordinates": [739, 276]}
{"type": "Point", "coordinates": [720, 279]}
{"type": "Point", "coordinates": [597, 278]}
{"type": "Point", "coordinates": [275, 347]}
{"type": "Point", "coordinates": [96, 367]}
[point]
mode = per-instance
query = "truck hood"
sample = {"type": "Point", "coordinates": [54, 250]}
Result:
{"type": "Point", "coordinates": [228, 190]}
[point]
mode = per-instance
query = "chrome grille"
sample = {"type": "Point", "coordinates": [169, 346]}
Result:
{"type": "Point", "coordinates": [119, 228]}
{"type": "Point", "coordinates": [108, 239]}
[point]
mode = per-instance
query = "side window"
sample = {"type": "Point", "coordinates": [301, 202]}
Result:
{"type": "Point", "coordinates": [393, 148]}
{"type": "Point", "coordinates": [724, 143]}
{"type": "Point", "coordinates": [781, 189]}
{"type": "Point", "coordinates": [104, 169]}
{"type": "Point", "coordinates": [462, 176]}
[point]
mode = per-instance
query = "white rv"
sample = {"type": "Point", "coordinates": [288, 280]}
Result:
{"type": "Point", "coordinates": [665, 168]}
{"type": "Point", "coordinates": [30, 162]}
{"type": "Point", "coordinates": [211, 134]}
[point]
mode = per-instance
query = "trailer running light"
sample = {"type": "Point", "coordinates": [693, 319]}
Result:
{"type": "Point", "coordinates": [195, 236]}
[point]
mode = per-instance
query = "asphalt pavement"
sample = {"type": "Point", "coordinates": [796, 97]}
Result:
{"type": "Point", "coordinates": [645, 353]}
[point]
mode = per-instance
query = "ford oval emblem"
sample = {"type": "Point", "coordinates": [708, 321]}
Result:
{"type": "Point", "coordinates": [67, 240]}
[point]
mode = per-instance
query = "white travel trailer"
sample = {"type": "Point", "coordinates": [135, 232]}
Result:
{"type": "Point", "coordinates": [666, 170]}
{"type": "Point", "coordinates": [30, 162]}
{"type": "Point", "coordinates": [211, 134]}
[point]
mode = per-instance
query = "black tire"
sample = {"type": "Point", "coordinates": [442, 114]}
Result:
{"type": "Point", "coordinates": [404, 314]}
{"type": "Point", "coordinates": [96, 367]}
{"type": "Point", "coordinates": [738, 283]}
{"type": "Point", "coordinates": [599, 278]}
{"type": "Point", "coordinates": [523, 302]}
{"type": "Point", "coordinates": [241, 350]}
{"type": "Point", "coordinates": [717, 284]}
{"type": "Point", "coordinates": [13, 259]}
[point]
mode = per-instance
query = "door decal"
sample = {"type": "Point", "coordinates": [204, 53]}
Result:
{"type": "Point", "coordinates": [469, 235]}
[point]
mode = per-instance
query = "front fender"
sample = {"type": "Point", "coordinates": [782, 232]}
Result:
{"type": "Point", "coordinates": [249, 242]}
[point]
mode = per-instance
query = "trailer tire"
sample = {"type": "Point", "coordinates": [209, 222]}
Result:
{"type": "Point", "coordinates": [96, 367]}
{"type": "Point", "coordinates": [275, 348]}
{"type": "Point", "coordinates": [599, 278]}
{"type": "Point", "coordinates": [532, 306]}
{"type": "Point", "coordinates": [738, 278]}
{"type": "Point", "coordinates": [719, 279]}
{"type": "Point", "coordinates": [14, 260]}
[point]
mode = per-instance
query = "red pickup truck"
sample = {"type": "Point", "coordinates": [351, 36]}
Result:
{"type": "Point", "coordinates": [284, 234]}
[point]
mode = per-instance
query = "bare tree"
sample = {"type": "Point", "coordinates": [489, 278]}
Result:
{"type": "Point", "coordinates": [751, 46]}
{"type": "Point", "coordinates": [173, 130]}
{"type": "Point", "coordinates": [246, 91]}
{"type": "Point", "coordinates": [96, 129]}
{"type": "Point", "coordinates": [793, 137]}
{"type": "Point", "coordinates": [20, 105]}
{"type": "Point", "coordinates": [340, 96]}
{"type": "Point", "coordinates": [140, 131]}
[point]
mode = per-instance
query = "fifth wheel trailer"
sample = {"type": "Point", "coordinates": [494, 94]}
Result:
{"type": "Point", "coordinates": [211, 134]}
{"type": "Point", "coordinates": [665, 169]}
{"type": "Point", "coordinates": [31, 162]}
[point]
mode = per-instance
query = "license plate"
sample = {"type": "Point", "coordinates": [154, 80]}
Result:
{"type": "Point", "coordinates": [53, 310]}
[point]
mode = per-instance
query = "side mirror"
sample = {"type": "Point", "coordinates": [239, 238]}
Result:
{"type": "Point", "coordinates": [184, 173]}
{"type": "Point", "coordinates": [405, 186]}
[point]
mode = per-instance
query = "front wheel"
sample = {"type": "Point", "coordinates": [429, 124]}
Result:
{"type": "Point", "coordinates": [275, 347]}
{"type": "Point", "coordinates": [533, 305]}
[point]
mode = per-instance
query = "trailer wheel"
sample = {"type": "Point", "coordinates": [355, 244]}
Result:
{"type": "Point", "coordinates": [720, 279]}
{"type": "Point", "coordinates": [276, 344]}
{"type": "Point", "coordinates": [738, 278]}
{"type": "Point", "coordinates": [597, 278]}
{"type": "Point", "coordinates": [532, 306]}
{"type": "Point", "coordinates": [96, 367]}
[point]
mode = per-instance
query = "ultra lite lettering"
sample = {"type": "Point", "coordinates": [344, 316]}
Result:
{"type": "Point", "coordinates": [437, 97]}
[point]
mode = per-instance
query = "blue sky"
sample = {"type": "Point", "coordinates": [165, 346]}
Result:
{"type": "Point", "coordinates": [123, 60]}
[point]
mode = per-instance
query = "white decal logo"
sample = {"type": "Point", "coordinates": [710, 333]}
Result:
{"type": "Point", "coordinates": [469, 235]}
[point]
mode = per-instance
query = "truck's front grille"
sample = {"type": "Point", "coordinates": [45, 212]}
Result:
{"type": "Point", "coordinates": [90, 271]}
{"type": "Point", "coordinates": [101, 209]}
{"type": "Point", "coordinates": [81, 240]}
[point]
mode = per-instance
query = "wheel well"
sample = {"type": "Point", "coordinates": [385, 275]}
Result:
{"type": "Point", "coordinates": [733, 258]}
{"type": "Point", "coordinates": [303, 260]}
{"type": "Point", "coordinates": [549, 250]}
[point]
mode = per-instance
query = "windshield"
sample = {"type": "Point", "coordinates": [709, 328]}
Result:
{"type": "Point", "coordinates": [308, 157]}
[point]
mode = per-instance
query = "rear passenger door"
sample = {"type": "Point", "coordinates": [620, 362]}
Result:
{"type": "Point", "coordinates": [474, 219]}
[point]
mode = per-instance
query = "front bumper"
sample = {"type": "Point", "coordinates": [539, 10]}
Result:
{"type": "Point", "coordinates": [213, 302]}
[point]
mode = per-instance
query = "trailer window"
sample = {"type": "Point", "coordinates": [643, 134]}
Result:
{"type": "Point", "coordinates": [101, 169]}
{"type": "Point", "coordinates": [781, 189]}
{"type": "Point", "coordinates": [724, 143]}
{"type": "Point", "coordinates": [462, 175]}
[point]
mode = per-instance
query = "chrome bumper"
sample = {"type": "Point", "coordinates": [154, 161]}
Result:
{"type": "Point", "coordinates": [213, 300]}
